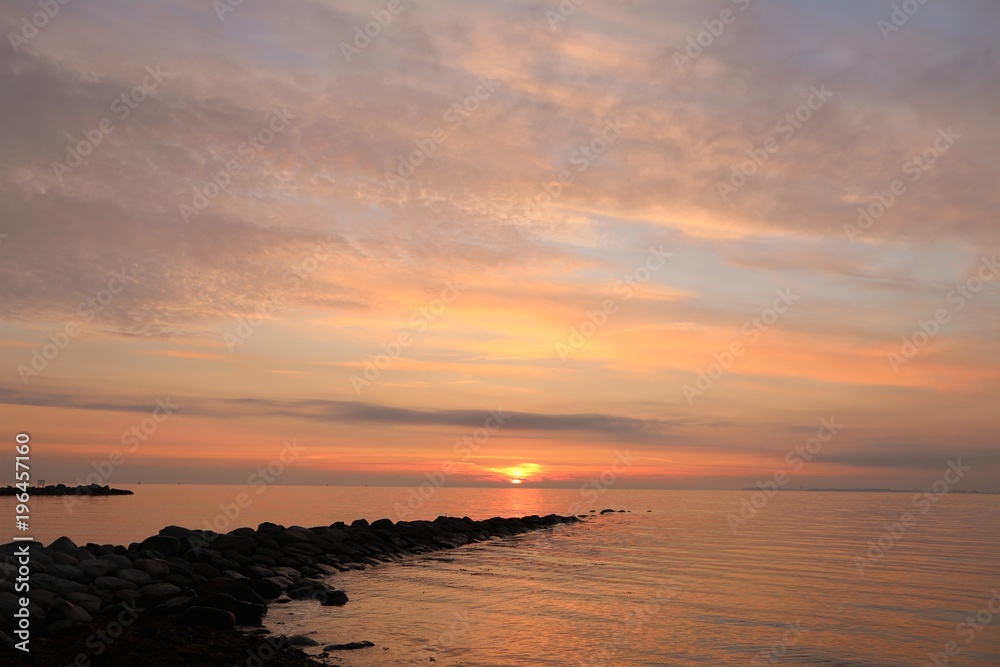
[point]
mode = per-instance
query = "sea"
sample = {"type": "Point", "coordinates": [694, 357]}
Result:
{"type": "Point", "coordinates": [681, 578]}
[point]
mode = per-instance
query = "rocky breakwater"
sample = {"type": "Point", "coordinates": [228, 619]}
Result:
{"type": "Point", "coordinates": [63, 490]}
{"type": "Point", "coordinates": [187, 590]}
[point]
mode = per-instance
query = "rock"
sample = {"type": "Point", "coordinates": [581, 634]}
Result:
{"type": "Point", "coordinates": [295, 534]}
{"type": "Point", "coordinates": [112, 584]}
{"type": "Point", "coordinates": [96, 567]}
{"type": "Point", "coordinates": [280, 581]}
{"type": "Point", "coordinates": [70, 612]}
{"type": "Point", "coordinates": [121, 562]}
{"type": "Point", "coordinates": [91, 603]}
{"type": "Point", "coordinates": [99, 549]}
{"type": "Point", "coordinates": [334, 598]}
{"type": "Point", "coordinates": [159, 591]}
{"type": "Point", "coordinates": [174, 605]}
{"type": "Point", "coordinates": [209, 617]}
{"type": "Point", "coordinates": [307, 590]}
{"type": "Point", "coordinates": [121, 611]}
{"type": "Point", "coordinates": [246, 613]}
{"type": "Point", "coordinates": [60, 558]}
{"type": "Point", "coordinates": [64, 545]}
{"type": "Point", "coordinates": [39, 557]}
{"type": "Point", "coordinates": [70, 572]}
{"type": "Point", "coordinates": [301, 640]}
{"type": "Point", "coordinates": [56, 585]}
{"type": "Point", "coordinates": [240, 544]}
{"type": "Point", "coordinates": [176, 531]}
{"type": "Point", "coordinates": [205, 570]}
{"type": "Point", "coordinates": [137, 577]}
{"type": "Point", "coordinates": [287, 572]}
{"type": "Point", "coordinates": [43, 598]}
{"type": "Point", "coordinates": [127, 595]}
{"type": "Point", "coordinates": [153, 567]}
{"type": "Point", "coordinates": [269, 553]}
{"type": "Point", "coordinates": [220, 563]}
{"type": "Point", "coordinates": [257, 572]}
{"type": "Point", "coordinates": [241, 591]}
{"type": "Point", "coordinates": [164, 544]}
{"type": "Point", "coordinates": [269, 590]}
{"type": "Point", "coordinates": [351, 646]}
{"type": "Point", "coordinates": [11, 603]}
{"type": "Point", "coordinates": [60, 627]}
{"type": "Point", "coordinates": [178, 580]}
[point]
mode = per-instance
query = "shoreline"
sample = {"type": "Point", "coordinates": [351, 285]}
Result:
{"type": "Point", "coordinates": [188, 596]}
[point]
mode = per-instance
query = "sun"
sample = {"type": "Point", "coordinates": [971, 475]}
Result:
{"type": "Point", "coordinates": [520, 473]}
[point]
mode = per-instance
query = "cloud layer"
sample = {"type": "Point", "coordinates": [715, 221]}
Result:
{"type": "Point", "coordinates": [530, 160]}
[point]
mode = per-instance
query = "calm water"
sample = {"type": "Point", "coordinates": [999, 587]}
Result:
{"type": "Point", "coordinates": [674, 586]}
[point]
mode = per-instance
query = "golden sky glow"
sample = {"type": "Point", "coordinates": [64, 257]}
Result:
{"type": "Point", "coordinates": [522, 249]}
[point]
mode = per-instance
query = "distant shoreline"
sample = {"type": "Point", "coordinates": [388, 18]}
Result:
{"type": "Point", "coordinates": [754, 488]}
{"type": "Point", "coordinates": [63, 490]}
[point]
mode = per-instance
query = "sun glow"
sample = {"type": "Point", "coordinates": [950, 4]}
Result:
{"type": "Point", "coordinates": [520, 473]}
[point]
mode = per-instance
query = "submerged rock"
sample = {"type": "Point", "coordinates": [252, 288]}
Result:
{"type": "Point", "coordinates": [350, 646]}
{"type": "Point", "coordinates": [302, 640]}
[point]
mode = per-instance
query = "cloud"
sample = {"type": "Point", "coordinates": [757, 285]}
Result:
{"type": "Point", "coordinates": [353, 412]}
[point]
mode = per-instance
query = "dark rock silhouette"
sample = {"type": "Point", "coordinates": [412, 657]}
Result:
{"type": "Point", "coordinates": [185, 581]}
{"type": "Point", "coordinates": [63, 490]}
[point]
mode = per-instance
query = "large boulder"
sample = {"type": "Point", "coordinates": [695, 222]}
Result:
{"type": "Point", "coordinates": [164, 544]}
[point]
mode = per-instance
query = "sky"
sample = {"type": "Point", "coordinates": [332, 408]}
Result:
{"type": "Point", "coordinates": [682, 245]}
